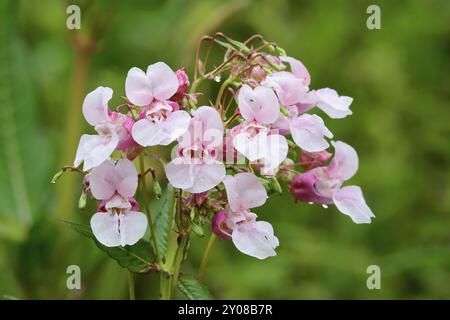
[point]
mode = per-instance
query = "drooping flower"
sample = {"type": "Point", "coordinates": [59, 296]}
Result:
{"type": "Point", "coordinates": [113, 130]}
{"type": "Point", "coordinates": [335, 106]}
{"type": "Point", "coordinates": [238, 223]}
{"type": "Point", "coordinates": [256, 140]}
{"type": "Point", "coordinates": [309, 132]}
{"type": "Point", "coordinates": [198, 166]}
{"type": "Point", "coordinates": [324, 185]}
{"type": "Point", "coordinates": [161, 122]}
{"type": "Point", "coordinates": [117, 223]}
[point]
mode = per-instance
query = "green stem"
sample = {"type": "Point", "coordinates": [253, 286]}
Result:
{"type": "Point", "coordinates": [131, 285]}
{"type": "Point", "coordinates": [204, 262]}
{"type": "Point", "coordinates": [224, 85]}
{"type": "Point", "coordinates": [177, 265]}
{"type": "Point", "coordinates": [147, 207]}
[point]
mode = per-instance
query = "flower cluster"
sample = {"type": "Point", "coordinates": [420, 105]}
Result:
{"type": "Point", "coordinates": [228, 155]}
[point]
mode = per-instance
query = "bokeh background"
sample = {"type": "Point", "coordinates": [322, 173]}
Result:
{"type": "Point", "coordinates": [399, 77]}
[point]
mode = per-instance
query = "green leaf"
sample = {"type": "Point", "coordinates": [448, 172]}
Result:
{"type": "Point", "coordinates": [193, 289]}
{"type": "Point", "coordinates": [162, 220]}
{"type": "Point", "coordinates": [136, 258]}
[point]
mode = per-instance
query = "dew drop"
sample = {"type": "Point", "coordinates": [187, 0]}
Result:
{"type": "Point", "coordinates": [310, 202]}
{"type": "Point", "coordinates": [325, 206]}
{"type": "Point", "coordinates": [217, 78]}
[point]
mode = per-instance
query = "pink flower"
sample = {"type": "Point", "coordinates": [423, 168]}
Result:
{"type": "Point", "coordinates": [112, 128]}
{"type": "Point", "coordinates": [324, 185]}
{"type": "Point", "coordinates": [161, 123]}
{"type": "Point", "coordinates": [251, 237]}
{"type": "Point", "coordinates": [256, 141]}
{"type": "Point", "coordinates": [197, 167]}
{"type": "Point", "coordinates": [115, 186]}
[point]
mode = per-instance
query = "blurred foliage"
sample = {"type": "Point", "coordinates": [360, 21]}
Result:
{"type": "Point", "coordinates": [399, 77]}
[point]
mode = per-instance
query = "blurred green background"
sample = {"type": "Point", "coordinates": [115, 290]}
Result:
{"type": "Point", "coordinates": [399, 77]}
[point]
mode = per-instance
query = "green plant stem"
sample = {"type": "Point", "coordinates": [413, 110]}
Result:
{"type": "Point", "coordinates": [204, 261]}
{"type": "Point", "coordinates": [147, 207]}
{"type": "Point", "coordinates": [224, 85]}
{"type": "Point", "coordinates": [177, 265]}
{"type": "Point", "coordinates": [131, 285]}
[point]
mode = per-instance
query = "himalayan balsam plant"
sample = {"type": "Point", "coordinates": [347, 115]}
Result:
{"type": "Point", "coordinates": [227, 157]}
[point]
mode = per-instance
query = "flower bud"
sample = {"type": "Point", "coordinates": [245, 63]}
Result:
{"type": "Point", "coordinates": [311, 160]}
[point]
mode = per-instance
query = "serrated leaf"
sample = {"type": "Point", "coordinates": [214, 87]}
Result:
{"type": "Point", "coordinates": [162, 220]}
{"type": "Point", "coordinates": [136, 258]}
{"type": "Point", "coordinates": [193, 289]}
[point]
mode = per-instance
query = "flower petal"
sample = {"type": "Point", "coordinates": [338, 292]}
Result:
{"type": "Point", "coordinates": [308, 132]}
{"type": "Point", "coordinates": [138, 87]}
{"type": "Point", "coordinates": [298, 69]}
{"type": "Point", "coordinates": [176, 124]}
{"type": "Point", "coordinates": [207, 176]}
{"type": "Point", "coordinates": [277, 150]}
{"type": "Point", "coordinates": [132, 227]}
{"type": "Point", "coordinates": [350, 201]}
{"type": "Point", "coordinates": [148, 133]}
{"type": "Point", "coordinates": [105, 227]}
{"type": "Point", "coordinates": [95, 105]}
{"type": "Point", "coordinates": [180, 174]}
{"type": "Point", "coordinates": [344, 164]}
{"type": "Point", "coordinates": [126, 178]}
{"type": "Point", "coordinates": [164, 81]}
{"type": "Point", "coordinates": [290, 90]}
{"type": "Point", "coordinates": [253, 148]}
{"type": "Point", "coordinates": [332, 104]}
{"type": "Point", "coordinates": [260, 104]}
{"type": "Point", "coordinates": [244, 191]}
{"type": "Point", "coordinates": [101, 181]}
{"type": "Point", "coordinates": [99, 149]}
{"type": "Point", "coordinates": [255, 239]}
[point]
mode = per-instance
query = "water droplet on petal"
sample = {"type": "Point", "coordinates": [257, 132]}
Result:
{"type": "Point", "coordinates": [217, 78]}
{"type": "Point", "coordinates": [324, 206]}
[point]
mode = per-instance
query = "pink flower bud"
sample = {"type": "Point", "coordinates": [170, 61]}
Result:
{"type": "Point", "coordinates": [311, 160]}
{"type": "Point", "coordinates": [303, 189]}
{"type": "Point", "coordinates": [219, 225]}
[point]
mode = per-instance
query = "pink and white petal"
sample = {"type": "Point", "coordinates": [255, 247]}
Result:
{"type": "Point", "coordinates": [255, 239]}
{"type": "Point", "coordinates": [102, 180]}
{"type": "Point", "coordinates": [180, 174]}
{"type": "Point", "coordinates": [244, 190]}
{"type": "Point", "coordinates": [105, 227]}
{"type": "Point", "coordinates": [268, 107]}
{"type": "Point", "coordinates": [148, 133]}
{"type": "Point", "coordinates": [350, 201]}
{"type": "Point", "coordinates": [163, 80]}
{"type": "Point", "coordinates": [176, 124]}
{"type": "Point", "coordinates": [118, 202]}
{"type": "Point", "coordinates": [309, 132]}
{"type": "Point", "coordinates": [95, 105]}
{"type": "Point", "coordinates": [298, 69]}
{"type": "Point", "coordinates": [277, 150]}
{"type": "Point", "coordinates": [290, 90]}
{"type": "Point", "coordinates": [126, 178]}
{"type": "Point", "coordinates": [138, 87]}
{"type": "Point", "coordinates": [246, 98]}
{"type": "Point", "coordinates": [85, 141]}
{"type": "Point", "coordinates": [344, 164]}
{"type": "Point", "coordinates": [132, 227]}
{"type": "Point", "coordinates": [332, 104]}
{"type": "Point", "coordinates": [98, 150]}
{"type": "Point", "coordinates": [254, 148]}
{"type": "Point", "coordinates": [210, 119]}
{"type": "Point", "coordinates": [207, 176]}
